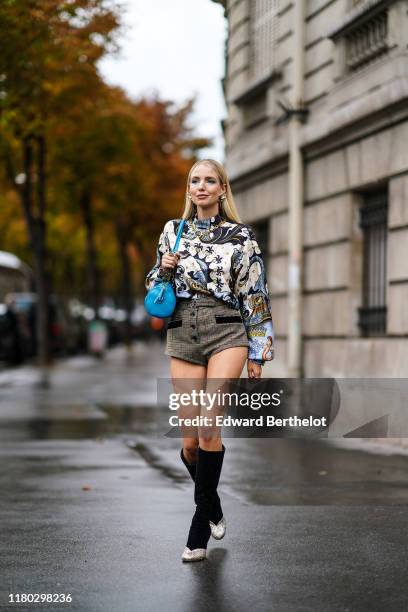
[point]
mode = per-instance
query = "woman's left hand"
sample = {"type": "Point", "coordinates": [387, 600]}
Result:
{"type": "Point", "coordinates": [254, 369]}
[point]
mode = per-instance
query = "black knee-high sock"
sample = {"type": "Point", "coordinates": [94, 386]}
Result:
{"type": "Point", "coordinates": [216, 513]}
{"type": "Point", "coordinates": [208, 470]}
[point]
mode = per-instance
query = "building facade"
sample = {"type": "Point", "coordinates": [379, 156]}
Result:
{"type": "Point", "coordinates": [335, 72]}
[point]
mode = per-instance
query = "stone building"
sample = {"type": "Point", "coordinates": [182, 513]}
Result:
{"type": "Point", "coordinates": [317, 147]}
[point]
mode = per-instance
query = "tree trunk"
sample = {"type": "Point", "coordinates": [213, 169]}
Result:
{"type": "Point", "coordinates": [91, 253]}
{"type": "Point", "coordinates": [36, 228]}
{"type": "Point", "coordinates": [126, 292]}
{"type": "Point", "coordinates": [44, 277]}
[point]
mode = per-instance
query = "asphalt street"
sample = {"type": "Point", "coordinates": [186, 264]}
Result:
{"type": "Point", "coordinates": [96, 504]}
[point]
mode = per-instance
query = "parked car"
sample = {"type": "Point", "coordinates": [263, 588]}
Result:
{"type": "Point", "coordinates": [62, 329]}
{"type": "Point", "coordinates": [20, 305]}
{"type": "Point", "coordinates": [10, 340]}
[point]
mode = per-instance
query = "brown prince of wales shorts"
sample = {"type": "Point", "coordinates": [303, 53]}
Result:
{"type": "Point", "coordinates": [202, 326]}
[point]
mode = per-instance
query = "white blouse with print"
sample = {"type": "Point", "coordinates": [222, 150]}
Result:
{"type": "Point", "coordinates": [225, 262]}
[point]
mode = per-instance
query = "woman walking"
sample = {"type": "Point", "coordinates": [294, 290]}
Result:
{"type": "Point", "coordinates": [222, 320]}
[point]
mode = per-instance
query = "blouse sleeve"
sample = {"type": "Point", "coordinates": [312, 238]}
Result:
{"type": "Point", "coordinates": [252, 292]}
{"type": "Point", "coordinates": [157, 273]}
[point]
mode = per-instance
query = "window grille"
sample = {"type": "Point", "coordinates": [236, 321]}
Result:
{"type": "Point", "coordinates": [264, 32]}
{"type": "Point", "coordinates": [367, 42]}
{"type": "Point", "coordinates": [373, 222]}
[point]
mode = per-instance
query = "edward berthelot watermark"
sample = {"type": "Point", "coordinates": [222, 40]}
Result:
{"type": "Point", "coordinates": [261, 421]}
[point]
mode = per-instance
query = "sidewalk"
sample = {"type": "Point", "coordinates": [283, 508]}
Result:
{"type": "Point", "coordinates": [93, 519]}
{"type": "Point", "coordinates": [95, 503]}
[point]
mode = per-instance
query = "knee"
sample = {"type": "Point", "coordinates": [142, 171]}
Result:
{"type": "Point", "coordinates": [190, 450]}
{"type": "Point", "coordinates": [211, 443]}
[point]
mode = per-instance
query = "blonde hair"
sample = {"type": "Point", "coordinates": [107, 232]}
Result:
{"type": "Point", "coordinates": [227, 208]}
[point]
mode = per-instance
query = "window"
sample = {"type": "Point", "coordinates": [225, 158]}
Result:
{"type": "Point", "coordinates": [367, 42]}
{"type": "Point", "coordinates": [362, 35]}
{"type": "Point", "coordinates": [373, 222]}
{"type": "Point", "coordinates": [264, 22]}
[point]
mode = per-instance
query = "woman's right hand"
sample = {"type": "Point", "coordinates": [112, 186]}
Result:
{"type": "Point", "coordinates": [170, 260]}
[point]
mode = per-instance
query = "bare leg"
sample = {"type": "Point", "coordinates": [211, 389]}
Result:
{"type": "Point", "coordinates": [195, 375]}
{"type": "Point", "coordinates": [221, 366]}
{"type": "Point", "coordinates": [228, 363]}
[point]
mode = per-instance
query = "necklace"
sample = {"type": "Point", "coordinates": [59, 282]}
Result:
{"type": "Point", "coordinates": [208, 233]}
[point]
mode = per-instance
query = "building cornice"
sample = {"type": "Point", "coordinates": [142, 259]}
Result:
{"type": "Point", "coordinates": [255, 88]}
{"type": "Point", "coordinates": [363, 127]}
{"type": "Point", "coordinates": [257, 175]}
{"type": "Point", "coordinates": [338, 139]}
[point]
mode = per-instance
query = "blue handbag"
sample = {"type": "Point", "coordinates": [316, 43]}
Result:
{"type": "Point", "coordinates": [160, 300]}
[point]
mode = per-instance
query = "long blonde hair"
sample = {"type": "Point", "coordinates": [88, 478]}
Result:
{"type": "Point", "coordinates": [227, 208]}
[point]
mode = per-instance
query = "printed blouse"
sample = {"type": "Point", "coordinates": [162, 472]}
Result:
{"type": "Point", "coordinates": [223, 259]}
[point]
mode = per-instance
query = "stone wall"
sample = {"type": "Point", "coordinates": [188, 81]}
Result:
{"type": "Point", "coordinates": [355, 139]}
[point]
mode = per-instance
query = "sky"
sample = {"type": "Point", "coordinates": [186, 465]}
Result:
{"type": "Point", "coordinates": [175, 48]}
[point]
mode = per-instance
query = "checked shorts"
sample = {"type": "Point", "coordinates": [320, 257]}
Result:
{"type": "Point", "coordinates": [202, 326]}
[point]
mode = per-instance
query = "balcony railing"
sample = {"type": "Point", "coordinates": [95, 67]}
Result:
{"type": "Point", "coordinates": [367, 42]}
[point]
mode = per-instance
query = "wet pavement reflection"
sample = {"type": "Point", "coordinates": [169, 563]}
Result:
{"type": "Point", "coordinates": [261, 471]}
{"type": "Point", "coordinates": [95, 500]}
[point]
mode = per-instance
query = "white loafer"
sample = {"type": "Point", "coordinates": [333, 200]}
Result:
{"type": "Point", "coordinates": [198, 554]}
{"type": "Point", "coordinates": [218, 530]}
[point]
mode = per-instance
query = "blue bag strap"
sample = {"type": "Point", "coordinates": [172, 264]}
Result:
{"type": "Point", "coordinates": [180, 231]}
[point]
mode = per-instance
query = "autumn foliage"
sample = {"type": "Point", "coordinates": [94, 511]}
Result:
{"type": "Point", "coordinates": [87, 175]}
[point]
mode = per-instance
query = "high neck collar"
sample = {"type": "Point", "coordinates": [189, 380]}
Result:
{"type": "Point", "coordinates": [205, 223]}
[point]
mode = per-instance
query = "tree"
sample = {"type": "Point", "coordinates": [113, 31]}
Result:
{"type": "Point", "coordinates": [127, 162]}
{"type": "Point", "coordinates": [96, 173]}
{"type": "Point", "coordinates": [48, 53]}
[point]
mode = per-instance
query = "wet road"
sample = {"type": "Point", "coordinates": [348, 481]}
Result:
{"type": "Point", "coordinates": [95, 503]}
